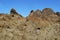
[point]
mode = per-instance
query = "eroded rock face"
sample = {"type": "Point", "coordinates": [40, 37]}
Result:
{"type": "Point", "coordinates": [34, 16]}
{"type": "Point", "coordinates": [58, 13]}
{"type": "Point", "coordinates": [34, 27]}
{"type": "Point", "coordinates": [31, 13]}
{"type": "Point", "coordinates": [37, 13]}
{"type": "Point", "coordinates": [48, 11]}
{"type": "Point", "coordinates": [45, 17]}
{"type": "Point", "coordinates": [13, 11]}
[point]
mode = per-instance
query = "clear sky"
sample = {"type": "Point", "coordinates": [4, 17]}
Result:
{"type": "Point", "coordinates": [24, 7]}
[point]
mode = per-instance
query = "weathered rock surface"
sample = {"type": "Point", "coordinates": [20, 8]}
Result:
{"type": "Point", "coordinates": [39, 25]}
{"type": "Point", "coordinates": [58, 13]}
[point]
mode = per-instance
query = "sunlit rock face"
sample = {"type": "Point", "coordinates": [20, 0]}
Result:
{"type": "Point", "coordinates": [35, 13]}
{"type": "Point", "coordinates": [45, 17]}
{"type": "Point", "coordinates": [39, 25]}
{"type": "Point", "coordinates": [47, 11]}
{"type": "Point", "coordinates": [34, 16]}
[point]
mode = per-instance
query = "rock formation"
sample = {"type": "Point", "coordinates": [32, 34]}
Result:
{"type": "Point", "coordinates": [13, 11]}
{"type": "Point", "coordinates": [47, 11]}
{"type": "Point", "coordinates": [58, 13]}
{"type": "Point", "coordinates": [39, 25]}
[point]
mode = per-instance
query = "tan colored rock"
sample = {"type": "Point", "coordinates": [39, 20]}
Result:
{"type": "Point", "coordinates": [47, 11]}
{"type": "Point", "coordinates": [37, 26]}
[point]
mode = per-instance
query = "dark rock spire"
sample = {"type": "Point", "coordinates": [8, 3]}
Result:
{"type": "Point", "coordinates": [13, 11]}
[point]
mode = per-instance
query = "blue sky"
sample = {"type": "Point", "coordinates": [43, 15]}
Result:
{"type": "Point", "coordinates": [24, 7]}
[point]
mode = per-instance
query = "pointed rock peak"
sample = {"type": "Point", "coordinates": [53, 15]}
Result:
{"type": "Point", "coordinates": [32, 11]}
{"type": "Point", "coordinates": [47, 11]}
{"type": "Point", "coordinates": [35, 13]}
{"type": "Point", "coordinates": [13, 11]}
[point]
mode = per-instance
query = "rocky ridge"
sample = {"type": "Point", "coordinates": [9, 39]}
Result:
{"type": "Point", "coordinates": [39, 25]}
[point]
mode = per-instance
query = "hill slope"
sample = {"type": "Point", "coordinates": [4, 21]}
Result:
{"type": "Point", "coordinates": [39, 25]}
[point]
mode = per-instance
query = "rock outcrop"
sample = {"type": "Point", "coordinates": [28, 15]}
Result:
{"type": "Point", "coordinates": [39, 25]}
{"type": "Point", "coordinates": [47, 11]}
{"type": "Point", "coordinates": [13, 11]}
{"type": "Point", "coordinates": [45, 17]}
{"type": "Point", "coordinates": [58, 13]}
